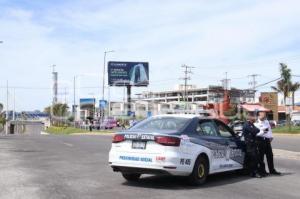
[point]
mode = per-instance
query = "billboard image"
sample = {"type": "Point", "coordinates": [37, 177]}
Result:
{"type": "Point", "coordinates": [87, 108]}
{"type": "Point", "coordinates": [87, 103]}
{"type": "Point", "coordinates": [128, 73]}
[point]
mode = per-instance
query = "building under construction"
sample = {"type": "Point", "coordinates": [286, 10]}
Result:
{"type": "Point", "coordinates": [179, 100]}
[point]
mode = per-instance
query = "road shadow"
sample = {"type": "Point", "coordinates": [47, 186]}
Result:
{"type": "Point", "coordinates": [180, 183]}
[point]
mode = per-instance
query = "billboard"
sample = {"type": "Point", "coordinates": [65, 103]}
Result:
{"type": "Point", "coordinates": [128, 73]}
{"type": "Point", "coordinates": [270, 101]}
{"type": "Point", "coordinates": [102, 104]}
{"type": "Point", "coordinates": [87, 103]}
{"type": "Point", "coordinates": [87, 107]}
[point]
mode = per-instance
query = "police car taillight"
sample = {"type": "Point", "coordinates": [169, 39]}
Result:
{"type": "Point", "coordinates": [118, 138]}
{"type": "Point", "coordinates": [167, 141]}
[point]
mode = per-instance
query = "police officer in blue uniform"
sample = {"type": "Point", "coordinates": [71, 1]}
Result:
{"type": "Point", "coordinates": [252, 160]}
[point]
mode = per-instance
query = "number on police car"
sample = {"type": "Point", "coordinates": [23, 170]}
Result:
{"type": "Point", "coordinates": [138, 145]}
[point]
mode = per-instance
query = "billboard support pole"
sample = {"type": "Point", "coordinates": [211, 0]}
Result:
{"type": "Point", "coordinates": [128, 99]}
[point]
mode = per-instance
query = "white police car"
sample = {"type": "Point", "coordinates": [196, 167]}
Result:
{"type": "Point", "coordinates": [184, 145]}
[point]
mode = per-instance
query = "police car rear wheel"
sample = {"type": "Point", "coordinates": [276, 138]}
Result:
{"type": "Point", "coordinates": [131, 177]}
{"type": "Point", "coordinates": [200, 172]}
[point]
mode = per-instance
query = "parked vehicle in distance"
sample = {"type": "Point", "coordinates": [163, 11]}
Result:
{"type": "Point", "coordinates": [108, 123]}
{"type": "Point", "coordinates": [96, 125]}
{"type": "Point", "coordinates": [296, 122]}
{"type": "Point", "coordinates": [281, 123]}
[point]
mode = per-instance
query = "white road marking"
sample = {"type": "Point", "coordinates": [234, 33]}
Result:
{"type": "Point", "coordinates": [68, 144]}
{"type": "Point", "coordinates": [44, 133]}
{"type": "Point", "coordinates": [280, 153]}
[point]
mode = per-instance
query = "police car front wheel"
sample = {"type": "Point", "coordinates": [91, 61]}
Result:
{"type": "Point", "coordinates": [131, 177]}
{"type": "Point", "coordinates": [200, 172]}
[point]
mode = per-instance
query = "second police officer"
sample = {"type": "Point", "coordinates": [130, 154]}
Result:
{"type": "Point", "coordinates": [252, 154]}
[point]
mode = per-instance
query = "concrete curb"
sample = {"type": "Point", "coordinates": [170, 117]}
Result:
{"type": "Point", "coordinates": [101, 134]}
{"type": "Point", "coordinates": [286, 134]}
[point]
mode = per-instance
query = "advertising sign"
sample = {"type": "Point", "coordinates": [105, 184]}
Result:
{"type": "Point", "coordinates": [102, 104]}
{"type": "Point", "coordinates": [128, 73]}
{"type": "Point", "coordinates": [270, 101]}
{"type": "Point", "coordinates": [87, 103]}
{"type": "Point", "coordinates": [87, 108]}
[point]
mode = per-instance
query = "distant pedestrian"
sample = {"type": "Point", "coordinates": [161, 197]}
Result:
{"type": "Point", "coordinates": [91, 125]}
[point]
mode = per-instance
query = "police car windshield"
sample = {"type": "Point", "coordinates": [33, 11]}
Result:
{"type": "Point", "coordinates": [162, 123]}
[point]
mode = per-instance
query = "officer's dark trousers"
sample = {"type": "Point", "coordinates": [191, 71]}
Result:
{"type": "Point", "coordinates": [265, 149]}
{"type": "Point", "coordinates": [252, 158]}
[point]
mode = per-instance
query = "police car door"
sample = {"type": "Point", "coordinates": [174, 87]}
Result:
{"type": "Point", "coordinates": [209, 138]}
{"type": "Point", "coordinates": [234, 156]}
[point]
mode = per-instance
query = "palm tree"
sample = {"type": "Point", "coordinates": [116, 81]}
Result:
{"type": "Point", "coordinates": [58, 112]}
{"type": "Point", "coordinates": [283, 85]}
{"type": "Point", "coordinates": [293, 88]}
{"type": "Point", "coordinates": [2, 119]}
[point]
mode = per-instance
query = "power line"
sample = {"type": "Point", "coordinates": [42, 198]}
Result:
{"type": "Point", "coordinates": [260, 85]}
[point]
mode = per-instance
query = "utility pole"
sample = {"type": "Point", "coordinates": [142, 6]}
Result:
{"type": "Point", "coordinates": [104, 65]}
{"type": "Point", "coordinates": [7, 93]}
{"type": "Point", "coordinates": [226, 82]}
{"type": "Point", "coordinates": [14, 109]}
{"type": "Point", "coordinates": [187, 71]}
{"type": "Point", "coordinates": [226, 87]}
{"type": "Point", "coordinates": [54, 91]}
{"type": "Point", "coordinates": [253, 83]}
{"type": "Point", "coordinates": [65, 94]}
{"type": "Point", "coordinates": [103, 77]}
{"type": "Point", "coordinates": [74, 96]}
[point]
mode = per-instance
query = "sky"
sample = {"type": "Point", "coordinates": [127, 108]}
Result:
{"type": "Point", "coordinates": [214, 36]}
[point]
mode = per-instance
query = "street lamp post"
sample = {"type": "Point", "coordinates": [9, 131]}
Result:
{"type": "Point", "coordinates": [7, 118]}
{"type": "Point", "coordinates": [104, 64]}
{"type": "Point", "coordinates": [74, 96]}
{"type": "Point", "coordinates": [103, 83]}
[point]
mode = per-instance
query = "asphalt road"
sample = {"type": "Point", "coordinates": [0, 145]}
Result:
{"type": "Point", "coordinates": [48, 166]}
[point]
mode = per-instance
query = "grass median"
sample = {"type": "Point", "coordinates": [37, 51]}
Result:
{"type": "Point", "coordinates": [285, 130]}
{"type": "Point", "coordinates": [71, 130]}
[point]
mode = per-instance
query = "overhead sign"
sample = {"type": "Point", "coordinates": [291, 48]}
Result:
{"type": "Point", "coordinates": [102, 104]}
{"type": "Point", "coordinates": [128, 73]}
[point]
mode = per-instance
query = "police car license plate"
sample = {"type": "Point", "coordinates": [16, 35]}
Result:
{"type": "Point", "coordinates": [138, 145]}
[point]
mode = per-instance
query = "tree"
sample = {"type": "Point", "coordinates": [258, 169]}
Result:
{"type": "Point", "coordinates": [2, 118]}
{"type": "Point", "coordinates": [58, 113]}
{"type": "Point", "coordinates": [293, 88]}
{"type": "Point", "coordinates": [58, 110]}
{"type": "Point", "coordinates": [285, 86]}
{"type": "Point", "coordinates": [284, 83]}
